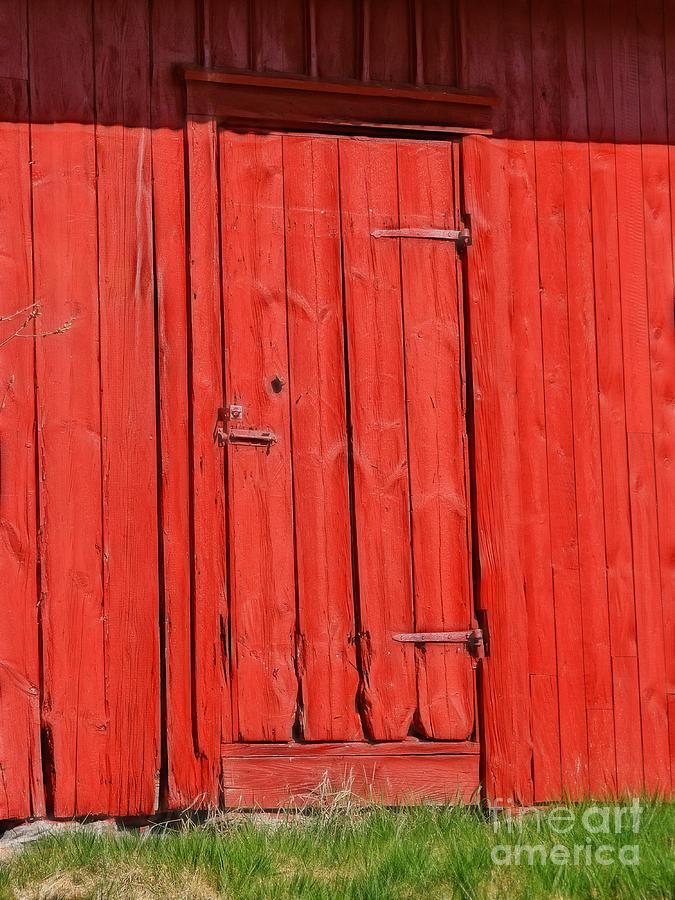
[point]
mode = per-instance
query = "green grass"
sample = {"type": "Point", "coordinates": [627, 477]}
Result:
{"type": "Point", "coordinates": [354, 852]}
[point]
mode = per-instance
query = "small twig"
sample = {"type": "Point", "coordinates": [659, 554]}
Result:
{"type": "Point", "coordinates": [7, 389]}
{"type": "Point", "coordinates": [35, 311]}
{"type": "Point", "coordinates": [33, 306]}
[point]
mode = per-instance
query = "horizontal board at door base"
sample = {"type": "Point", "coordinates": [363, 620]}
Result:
{"type": "Point", "coordinates": [408, 747]}
{"type": "Point", "coordinates": [270, 782]}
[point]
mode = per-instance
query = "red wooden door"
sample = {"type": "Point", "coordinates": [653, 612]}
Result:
{"type": "Point", "coordinates": [346, 472]}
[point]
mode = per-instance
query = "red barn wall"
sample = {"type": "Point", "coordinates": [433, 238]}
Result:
{"type": "Point", "coordinates": [111, 578]}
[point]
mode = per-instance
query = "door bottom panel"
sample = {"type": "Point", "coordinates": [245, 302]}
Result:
{"type": "Point", "coordinates": [272, 776]}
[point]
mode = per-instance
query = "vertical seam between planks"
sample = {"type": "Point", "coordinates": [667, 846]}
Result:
{"type": "Point", "coordinates": [571, 392]}
{"type": "Point", "coordinates": [297, 727]}
{"type": "Point", "coordinates": [46, 741]}
{"type": "Point", "coordinates": [404, 373]}
{"type": "Point", "coordinates": [463, 320]}
{"type": "Point", "coordinates": [161, 583]}
{"type": "Point", "coordinates": [189, 154]}
{"type": "Point", "coordinates": [356, 590]}
{"type": "Point", "coordinates": [227, 665]}
{"type": "Point", "coordinates": [597, 369]}
{"type": "Point", "coordinates": [541, 331]}
{"type": "Point", "coordinates": [623, 384]}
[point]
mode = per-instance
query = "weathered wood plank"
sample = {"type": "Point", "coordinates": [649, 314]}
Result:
{"type": "Point", "coordinates": [597, 670]}
{"type": "Point", "coordinates": [210, 615]}
{"type": "Point", "coordinates": [75, 713]}
{"type": "Point", "coordinates": [504, 684]}
{"type": "Point", "coordinates": [637, 382]}
{"type": "Point", "coordinates": [376, 374]}
{"type": "Point", "coordinates": [274, 782]}
{"type": "Point", "coordinates": [551, 206]}
{"type": "Point", "coordinates": [326, 624]}
{"type": "Point", "coordinates": [612, 416]}
{"type": "Point", "coordinates": [127, 359]}
{"type": "Point", "coordinates": [173, 41]}
{"type": "Point", "coordinates": [22, 793]}
{"type": "Point", "coordinates": [262, 580]}
{"type": "Point", "coordinates": [436, 430]}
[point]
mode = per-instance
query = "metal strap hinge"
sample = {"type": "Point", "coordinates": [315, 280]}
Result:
{"type": "Point", "coordinates": [472, 639]}
{"type": "Point", "coordinates": [461, 237]}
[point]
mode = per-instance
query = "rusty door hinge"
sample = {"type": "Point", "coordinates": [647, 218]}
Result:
{"type": "Point", "coordinates": [472, 639]}
{"type": "Point", "coordinates": [461, 237]}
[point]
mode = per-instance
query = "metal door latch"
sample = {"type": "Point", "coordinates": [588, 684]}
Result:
{"type": "Point", "coordinates": [472, 639]}
{"type": "Point", "coordinates": [253, 437]}
{"type": "Point", "coordinates": [461, 237]}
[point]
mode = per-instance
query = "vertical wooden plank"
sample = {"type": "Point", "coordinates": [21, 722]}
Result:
{"type": "Point", "coordinates": [209, 622]}
{"type": "Point", "coordinates": [75, 714]}
{"type": "Point", "coordinates": [336, 39]}
{"type": "Point", "coordinates": [662, 344]}
{"type": "Point", "coordinates": [227, 29]}
{"type": "Point", "coordinates": [438, 42]}
{"type": "Point", "coordinates": [436, 431]}
{"type": "Point", "coordinates": [504, 681]}
{"type": "Point", "coordinates": [626, 721]}
{"type": "Point", "coordinates": [13, 48]}
{"type": "Point", "coordinates": [639, 424]}
{"type": "Point", "coordinates": [527, 337]}
{"type": "Point", "coordinates": [376, 374]}
{"type": "Point", "coordinates": [173, 43]}
{"type": "Point", "coordinates": [655, 104]}
{"type": "Point", "coordinates": [609, 345]}
{"type": "Point", "coordinates": [553, 275]}
{"type": "Point", "coordinates": [21, 792]}
{"type": "Point", "coordinates": [262, 580]}
{"type": "Point", "coordinates": [279, 36]}
{"type": "Point", "coordinates": [584, 392]}
{"type": "Point", "coordinates": [389, 41]}
{"type": "Point", "coordinates": [327, 658]}
{"type": "Point", "coordinates": [504, 688]}
{"type": "Point", "coordinates": [127, 355]}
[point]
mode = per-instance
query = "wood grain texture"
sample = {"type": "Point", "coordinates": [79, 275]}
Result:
{"type": "Point", "coordinates": [262, 578]}
{"type": "Point", "coordinates": [584, 393]}
{"type": "Point", "coordinates": [75, 713]}
{"type": "Point", "coordinates": [358, 749]}
{"type": "Point", "coordinates": [211, 715]}
{"type": "Point", "coordinates": [127, 359]}
{"type": "Point", "coordinates": [326, 624]}
{"type": "Point", "coordinates": [376, 384]}
{"type": "Point", "coordinates": [551, 224]}
{"type": "Point", "coordinates": [401, 779]}
{"type": "Point", "coordinates": [662, 347]}
{"type": "Point", "coordinates": [609, 348]}
{"type": "Point", "coordinates": [21, 793]}
{"type": "Point", "coordinates": [636, 352]}
{"type": "Point", "coordinates": [504, 683]}
{"type": "Point", "coordinates": [173, 40]}
{"type": "Point", "coordinates": [656, 180]}
{"type": "Point", "coordinates": [534, 489]}
{"type": "Point", "coordinates": [434, 377]}
{"type": "Point", "coordinates": [504, 689]}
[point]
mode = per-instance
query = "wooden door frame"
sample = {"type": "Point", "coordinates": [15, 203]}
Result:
{"type": "Point", "coordinates": [306, 104]}
{"type": "Point", "coordinates": [274, 775]}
